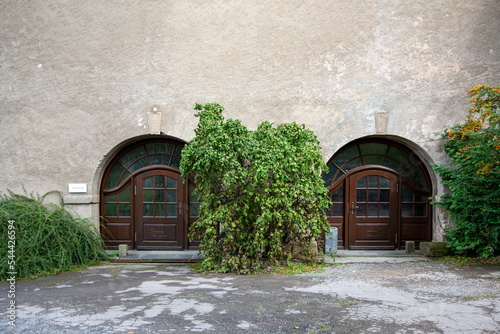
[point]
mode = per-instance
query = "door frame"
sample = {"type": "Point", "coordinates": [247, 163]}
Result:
{"type": "Point", "coordinates": [119, 174]}
{"type": "Point", "coordinates": [352, 221]}
{"type": "Point", "coordinates": [130, 240]}
{"type": "Point", "coordinates": [138, 216]}
{"type": "Point", "coordinates": [415, 185]}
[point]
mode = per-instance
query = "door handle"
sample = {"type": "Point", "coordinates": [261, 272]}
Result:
{"type": "Point", "coordinates": [353, 207]}
{"type": "Point", "coordinates": [179, 208]}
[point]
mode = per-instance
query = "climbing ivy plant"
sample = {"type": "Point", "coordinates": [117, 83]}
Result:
{"type": "Point", "coordinates": [261, 191]}
{"type": "Point", "coordinates": [474, 178]}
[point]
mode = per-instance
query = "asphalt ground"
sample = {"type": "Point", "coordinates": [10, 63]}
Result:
{"type": "Point", "coordinates": [391, 296]}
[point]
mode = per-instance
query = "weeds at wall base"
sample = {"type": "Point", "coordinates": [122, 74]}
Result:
{"type": "Point", "coordinates": [463, 261]}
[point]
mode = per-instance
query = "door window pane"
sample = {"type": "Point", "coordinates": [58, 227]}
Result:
{"type": "Point", "coordinates": [353, 164]}
{"type": "Point", "coordinates": [373, 148]}
{"type": "Point", "coordinates": [407, 194]}
{"type": "Point", "coordinates": [373, 159]}
{"type": "Point", "coordinates": [407, 210]}
{"type": "Point", "coordinates": [384, 195]}
{"type": "Point", "coordinates": [171, 210]}
{"type": "Point", "coordinates": [171, 183]}
{"type": "Point", "coordinates": [159, 210]}
{"type": "Point", "coordinates": [384, 210]}
{"type": "Point", "coordinates": [110, 198]}
{"type": "Point", "coordinates": [133, 155]}
{"type": "Point", "coordinates": [124, 210]}
{"type": "Point", "coordinates": [175, 162]}
{"type": "Point", "coordinates": [346, 155]}
{"type": "Point", "coordinates": [361, 195]}
{"type": "Point", "coordinates": [159, 195]}
{"type": "Point", "coordinates": [139, 164]}
{"type": "Point", "coordinates": [420, 198]}
{"type": "Point", "coordinates": [372, 181]}
{"type": "Point", "coordinates": [114, 176]}
{"type": "Point", "coordinates": [110, 209]}
{"type": "Point", "coordinates": [148, 195]}
{"type": "Point", "coordinates": [372, 195]}
{"type": "Point", "coordinates": [420, 210]}
{"type": "Point", "coordinates": [171, 196]}
{"type": "Point", "coordinates": [125, 195]}
{"type": "Point", "coordinates": [338, 195]}
{"type": "Point", "coordinates": [329, 176]}
{"type": "Point", "coordinates": [193, 209]}
{"type": "Point", "coordinates": [372, 210]}
{"type": "Point", "coordinates": [337, 210]}
{"type": "Point", "coordinates": [384, 182]}
{"type": "Point", "coordinates": [361, 183]}
{"type": "Point", "coordinates": [160, 159]}
{"type": "Point", "coordinates": [148, 182]}
{"type": "Point", "coordinates": [148, 209]}
{"type": "Point", "coordinates": [159, 181]}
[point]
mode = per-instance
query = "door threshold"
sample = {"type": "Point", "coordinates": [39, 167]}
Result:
{"type": "Point", "coordinates": [375, 253]}
{"type": "Point", "coordinates": [158, 256]}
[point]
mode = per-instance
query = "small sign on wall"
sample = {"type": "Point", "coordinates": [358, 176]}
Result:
{"type": "Point", "coordinates": [77, 188]}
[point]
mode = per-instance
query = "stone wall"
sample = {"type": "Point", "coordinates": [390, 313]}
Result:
{"type": "Point", "coordinates": [79, 77]}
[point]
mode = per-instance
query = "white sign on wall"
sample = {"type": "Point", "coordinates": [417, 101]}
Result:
{"type": "Point", "coordinates": [77, 188]}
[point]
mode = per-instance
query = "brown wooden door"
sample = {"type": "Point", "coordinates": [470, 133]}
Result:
{"type": "Point", "coordinates": [373, 210]}
{"type": "Point", "coordinates": [159, 214]}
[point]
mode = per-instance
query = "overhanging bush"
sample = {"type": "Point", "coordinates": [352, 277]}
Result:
{"type": "Point", "coordinates": [47, 239]}
{"type": "Point", "coordinates": [261, 191]}
{"type": "Point", "coordinates": [474, 178]}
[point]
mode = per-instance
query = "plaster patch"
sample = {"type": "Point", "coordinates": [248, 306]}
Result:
{"type": "Point", "coordinates": [178, 306]}
{"type": "Point", "coordinates": [218, 294]}
{"type": "Point", "coordinates": [28, 311]}
{"type": "Point", "coordinates": [200, 326]}
{"type": "Point", "coordinates": [168, 287]}
{"type": "Point", "coordinates": [244, 325]}
{"type": "Point", "coordinates": [405, 308]}
{"type": "Point", "coordinates": [140, 122]}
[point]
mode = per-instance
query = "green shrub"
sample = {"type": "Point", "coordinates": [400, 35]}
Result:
{"type": "Point", "coordinates": [47, 238]}
{"type": "Point", "coordinates": [261, 191]}
{"type": "Point", "coordinates": [474, 178]}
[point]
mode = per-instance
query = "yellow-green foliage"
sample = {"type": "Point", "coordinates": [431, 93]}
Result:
{"type": "Point", "coordinates": [474, 178]}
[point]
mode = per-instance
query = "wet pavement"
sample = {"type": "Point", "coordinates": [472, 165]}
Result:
{"type": "Point", "coordinates": [390, 296]}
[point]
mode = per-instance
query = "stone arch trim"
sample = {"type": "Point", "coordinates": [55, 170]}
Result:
{"type": "Point", "coordinates": [123, 196]}
{"type": "Point", "coordinates": [414, 188]}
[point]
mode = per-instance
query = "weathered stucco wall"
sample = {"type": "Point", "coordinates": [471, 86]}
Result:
{"type": "Point", "coordinates": [78, 77]}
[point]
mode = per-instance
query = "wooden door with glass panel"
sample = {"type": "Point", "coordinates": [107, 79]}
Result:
{"type": "Point", "coordinates": [373, 203]}
{"type": "Point", "coordinates": [159, 215]}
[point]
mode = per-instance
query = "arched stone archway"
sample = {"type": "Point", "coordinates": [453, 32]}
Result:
{"type": "Point", "coordinates": [380, 193]}
{"type": "Point", "coordinates": [144, 202]}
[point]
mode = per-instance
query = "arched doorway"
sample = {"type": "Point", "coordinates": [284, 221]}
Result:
{"type": "Point", "coordinates": [144, 202]}
{"type": "Point", "coordinates": [380, 193]}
